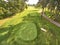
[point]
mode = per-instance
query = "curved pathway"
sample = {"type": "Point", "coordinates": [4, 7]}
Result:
{"type": "Point", "coordinates": [52, 21]}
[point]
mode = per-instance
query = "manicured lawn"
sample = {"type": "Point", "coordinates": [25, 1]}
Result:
{"type": "Point", "coordinates": [25, 29]}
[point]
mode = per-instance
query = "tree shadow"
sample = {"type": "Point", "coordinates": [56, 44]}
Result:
{"type": "Point", "coordinates": [34, 18]}
{"type": "Point", "coordinates": [8, 35]}
{"type": "Point", "coordinates": [8, 32]}
{"type": "Point", "coordinates": [11, 31]}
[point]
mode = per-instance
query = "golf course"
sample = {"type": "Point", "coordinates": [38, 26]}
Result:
{"type": "Point", "coordinates": [29, 28]}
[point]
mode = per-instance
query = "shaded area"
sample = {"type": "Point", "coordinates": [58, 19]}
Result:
{"type": "Point", "coordinates": [12, 37]}
{"type": "Point", "coordinates": [51, 37]}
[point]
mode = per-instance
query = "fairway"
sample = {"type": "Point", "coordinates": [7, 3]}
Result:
{"type": "Point", "coordinates": [25, 29]}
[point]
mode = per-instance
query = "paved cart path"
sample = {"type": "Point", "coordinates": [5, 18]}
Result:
{"type": "Point", "coordinates": [52, 21]}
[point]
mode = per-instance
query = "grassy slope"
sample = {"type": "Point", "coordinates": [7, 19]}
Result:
{"type": "Point", "coordinates": [8, 35]}
{"type": "Point", "coordinates": [18, 18]}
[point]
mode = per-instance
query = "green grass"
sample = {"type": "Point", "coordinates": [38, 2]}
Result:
{"type": "Point", "coordinates": [27, 31]}
{"type": "Point", "coordinates": [29, 23]}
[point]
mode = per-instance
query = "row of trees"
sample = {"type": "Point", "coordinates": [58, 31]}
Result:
{"type": "Point", "coordinates": [53, 7]}
{"type": "Point", "coordinates": [10, 7]}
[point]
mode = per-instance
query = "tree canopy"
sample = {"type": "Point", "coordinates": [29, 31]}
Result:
{"type": "Point", "coordinates": [52, 5]}
{"type": "Point", "coordinates": [10, 7]}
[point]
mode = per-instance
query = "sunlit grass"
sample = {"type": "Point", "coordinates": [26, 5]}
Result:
{"type": "Point", "coordinates": [18, 17]}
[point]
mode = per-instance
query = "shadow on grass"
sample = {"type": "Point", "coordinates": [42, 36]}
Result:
{"type": "Point", "coordinates": [42, 37]}
{"type": "Point", "coordinates": [9, 32]}
{"type": "Point", "coordinates": [8, 35]}
{"type": "Point", "coordinates": [52, 36]}
{"type": "Point", "coordinates": [35, 18]}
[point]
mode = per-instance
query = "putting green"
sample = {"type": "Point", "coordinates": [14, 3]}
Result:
{"type": "Point", "coordinates": [27, 32]}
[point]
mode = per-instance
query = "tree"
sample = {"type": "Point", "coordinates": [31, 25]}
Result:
{"type": "Point", "coordinates": [52, 5]}
{"type": "Point", "coordinates": [10, 7]}
{"type": "Point", "coordinates": [43, 4]}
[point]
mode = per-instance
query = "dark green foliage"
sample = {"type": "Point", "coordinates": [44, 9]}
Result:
{"type": "Point", "coordinates": [10, 7]}
{"type": "Point", "coordinates": [52, 5]}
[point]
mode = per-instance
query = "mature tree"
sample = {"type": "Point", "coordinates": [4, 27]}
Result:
{"type": "Point", "coordinates": [43, 4]}
{"type": "Point", "coordinates": [9, 7]}
{"type": "Point", "coordinates": [52, 5]}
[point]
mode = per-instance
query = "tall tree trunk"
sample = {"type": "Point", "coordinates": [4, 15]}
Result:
{"type": "Point", "coordinates": [42, 11]}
